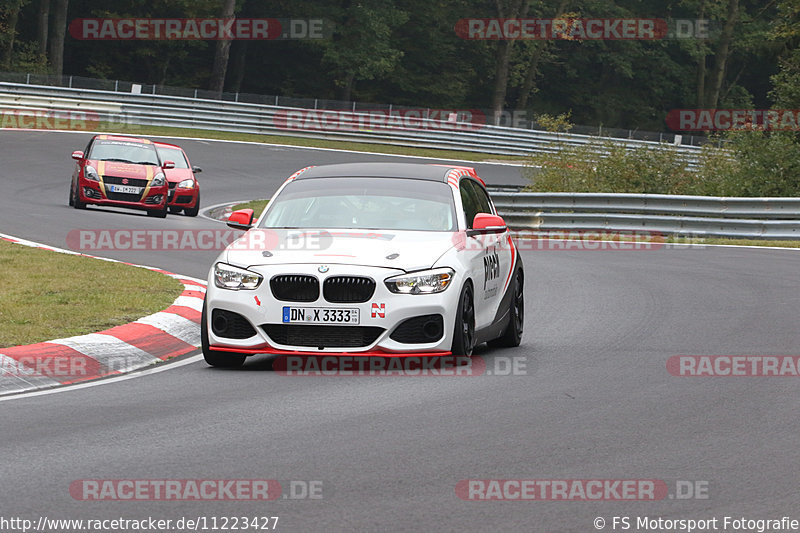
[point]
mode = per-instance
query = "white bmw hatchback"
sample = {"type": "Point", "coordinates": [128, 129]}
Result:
{"type": "Point", "coordinates": [366, 259]}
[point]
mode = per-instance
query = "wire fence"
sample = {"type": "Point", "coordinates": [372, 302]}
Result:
{"type": "Point", "coordinates": [511, 119]}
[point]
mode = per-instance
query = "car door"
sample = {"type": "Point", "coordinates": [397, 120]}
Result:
{"type": "Point", "coordinates": [484, 254]}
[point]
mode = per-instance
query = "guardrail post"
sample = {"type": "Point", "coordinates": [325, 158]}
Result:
{"type": "Point", "coordinates": [116, 85]}
{"type": "Point", "coordinates": [195, 94]}
{"type": "Point", "coordinates": [315, 103]}
{"type": "Point", "coordinates": [28, 80]}
{"type": "Point", "coordinates": [70, 82]}
{"type": "Point", "coordinates": [276, 100]}
{"type": "Point", "coordinates": [236, 99]}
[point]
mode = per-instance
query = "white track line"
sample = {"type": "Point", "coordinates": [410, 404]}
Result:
{"type": "Point", "coordinates": [66, 388]}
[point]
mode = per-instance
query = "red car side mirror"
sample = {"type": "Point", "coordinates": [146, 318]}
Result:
{"type": "Point", "coordinates": [485, 221]}
{"type": "Point", "coordinates": [77, 155]}
{"type": "Point", "coordinates": [241, 219]}
{"type": "Point", "coordinates": [168, 165]}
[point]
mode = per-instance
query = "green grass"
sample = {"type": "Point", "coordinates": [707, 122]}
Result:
{"type": "Point", "coordinates": [164, 131]}
{"type": "Point", "coordinates": [256, 205]}
{"type": "Point", "coordinates": [46, 295]}
{"type": "Point", "coordinates": [739, 242]}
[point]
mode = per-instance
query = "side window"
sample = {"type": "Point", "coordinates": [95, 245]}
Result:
{"type": "Point", "coordinates": [484, 205]}
{"type": "Point", "coordinates": [470, 201]}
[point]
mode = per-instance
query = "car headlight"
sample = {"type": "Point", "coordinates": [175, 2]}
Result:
{"type": "Point", "coordinates": [158, 180]}
{"type": "Point", "coordinates": [186, 184]}
{"type": "Point", "coordinates": [234, 278]}
{"type": "Point", "coordinates": [425, 282]}
{"type": "Point", "coordinates": [90, 173]}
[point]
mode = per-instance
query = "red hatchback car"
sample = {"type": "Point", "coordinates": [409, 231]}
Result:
{"type": "Point", "coordinates": [121, 172]}
{"type": "Point", "coordinates": [184, 190]}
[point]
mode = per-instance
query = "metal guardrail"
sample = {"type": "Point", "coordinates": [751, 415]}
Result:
{"type": "Point", "coordinates": [514, 119]}
{"type": "Point", "coordinates": [183, 112]}
{"type": "Point", "coordinates": [692, 216]}
{"type": "Point", "coordinates": [763, 218]}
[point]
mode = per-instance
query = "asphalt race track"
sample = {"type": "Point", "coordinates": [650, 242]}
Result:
{"type": "Point", "coordinates": [591, 398]}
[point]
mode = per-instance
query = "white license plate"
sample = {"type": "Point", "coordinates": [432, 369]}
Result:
{"type": "Point", "coordinates": [127, 189]}
{"type": "Point", "coordinates": [320, 315]}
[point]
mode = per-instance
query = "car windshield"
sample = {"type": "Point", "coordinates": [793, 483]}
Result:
{"type": "Point", "coordinates": [124, 152]}
{"type": "Point", "coordinates": [167, 153]}
{"type": "Point", "coordinates": [363, 203]}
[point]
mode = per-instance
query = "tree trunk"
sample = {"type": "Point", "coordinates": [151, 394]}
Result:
{"type": "Point", "coordinates": [530, 75]}
{"type": "Point", "coordinates": [518, 8]}
{"type": "Point", "coordinates": [58, 32]}
{"type": "Point", "coordinates": [223, 52]}
{"type": "Point", "coordinates": [500, 79]}
{"type": "Point", "coordinates": [701, 65]}
{"type": "Point", "coordinates": [344, 91]}
{"type": "Point", "coordinates": [238, 65]}
{"type": "Point", "coordinates": [723, 53]}
{"type": "Point", "coordinates": [41, 30]}
{"type": "Point", "coordinates": [8, 53]}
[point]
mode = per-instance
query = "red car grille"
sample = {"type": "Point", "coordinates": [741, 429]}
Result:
{"type": "Point", "coordinates": [116, 180]}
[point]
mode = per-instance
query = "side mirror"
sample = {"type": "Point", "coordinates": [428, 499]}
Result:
{"type": "Point", "coordinates": [197, 170]}
{"type": "Point", "coordinates": [487, 223]}
{"type": "Point", "coordinates": [77, 155]}
{"type": "Point", "coordinates": [241, 219]}
{"type": "Point", "coordinates": [168, 165]}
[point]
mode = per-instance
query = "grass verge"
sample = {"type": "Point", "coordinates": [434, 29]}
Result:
{"type": "Point", "coordinates": [164, 131]}
{"type": "Point", "coordinates": [738, 242]}
{"type": "Point", "coordinates": [256, 205]}
{"type": "Point", "coordinates": [46, 295]}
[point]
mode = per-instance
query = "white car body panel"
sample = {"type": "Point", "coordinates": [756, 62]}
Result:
{"type": "Point", "coordinates": [487, 261]}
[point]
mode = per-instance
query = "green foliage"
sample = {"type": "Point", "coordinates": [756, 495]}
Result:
{"type": "Point", "coordinates": [752, 163]}
{"type": "Point", "coordinates": [555, 124]}
{"type": "Point", "coordinates": [769, 163]}
{"type": "Point", "coordinates": [580, 169]}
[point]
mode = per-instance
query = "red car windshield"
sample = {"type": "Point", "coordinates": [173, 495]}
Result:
{"type": "Point", "coordinates": [173, 154]}
{"type": "Point", "coordinates": [124, 152]}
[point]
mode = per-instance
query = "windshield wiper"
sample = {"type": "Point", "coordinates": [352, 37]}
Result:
{"type": "Point", "coordinates": [119, 160]}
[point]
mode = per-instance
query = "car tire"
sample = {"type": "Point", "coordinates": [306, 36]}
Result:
{"type": "Point", "coordinates": [192, 211]}
{"type": "Point", "coordinates": [175, 210]}
{"type": "Point", "coordinates": [464, 330]}
{"type": "Point", "coordinates": [160, 213]}
{"type": "Point", "coordinates": [76, 198]}
{"type": "Point", "coordinates": [512, 336]}
{"type": "Point", "coordinates": [71, 200]}
{"type": "Point", "coordinates": [214, 357]}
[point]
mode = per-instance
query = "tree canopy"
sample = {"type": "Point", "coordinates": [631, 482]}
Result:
{"type": "Point", "coordinates": [407, 52]}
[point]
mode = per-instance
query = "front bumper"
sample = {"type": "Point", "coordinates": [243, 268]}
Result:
{"type": "Point", "coordinates": [184, 198]}
{"type": "Point", "coordinates": [93, 192]}
{"type": "Point", "coordinates": [385, 310]}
